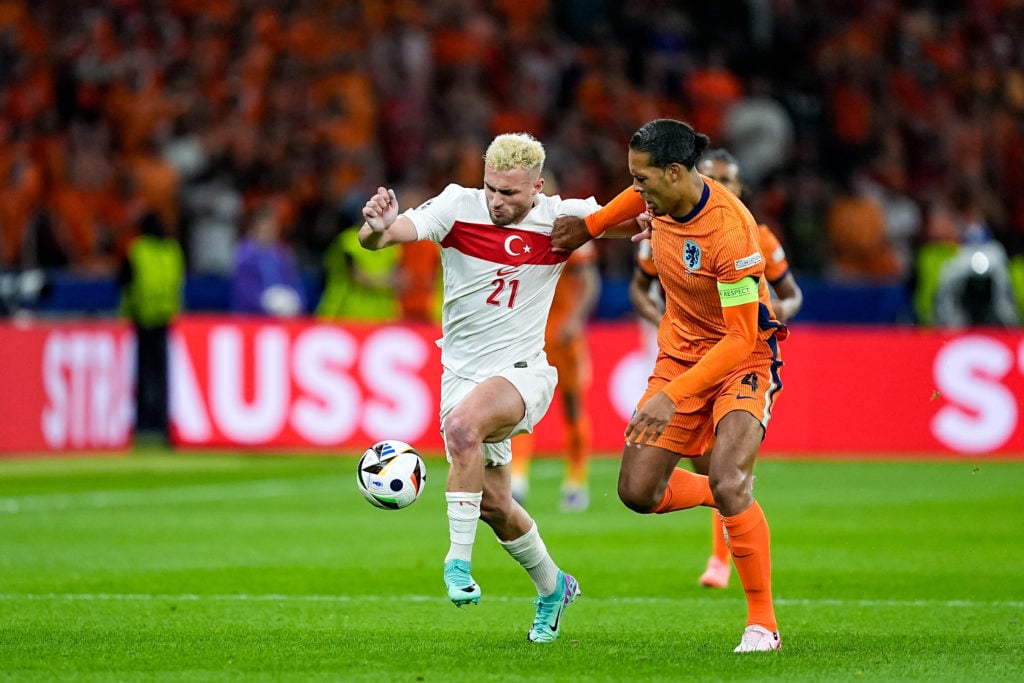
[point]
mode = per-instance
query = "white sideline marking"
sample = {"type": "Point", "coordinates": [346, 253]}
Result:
{"type": "Point", "coordinates": [197, 493]}
{"type": "Point", "coordinates": [280, 597]}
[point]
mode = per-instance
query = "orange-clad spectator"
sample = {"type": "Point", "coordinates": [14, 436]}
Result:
{"type": "Point", "coordinates": [121, 210]}
{"type": "Point", "coordinates": [419, 266]}
{"type": "Point", "coordinates": [850, 109]}
{"type": "Point", "coordinates": [157, 183]}
{"type": "Point", "coordinates": [222, 12]}
{"type": "Point", "coordinates": [20, 199]}
{"type": "Point", "coordinates": [460, 158]}
{"type": "Point", "coordinates": [711, 90]}
{"type": "Point", "coordinates": [351, 113]}
{"type": "Point", "coordinates": [419, 298]}
{"type": "Point", "coordinates": [581, 171]}
{"type": "Point", "coordinates": [49, 149]}
{"type": "Point", "coordinates": [520, 119]}
{"type": "Point", "coordinates": [13, 14]}
{"type": "Point", "coordinates": [594, 95]}
{"type": "Point", "coordinates": [523, 16]}
{"type": "Point", "coordinates": [911, 95]}
{"type": "Point", "coordinates": [136, 110]}
{"type": "Point", "coordinates": [466, 37]}
{"type": "Point", "coordinates": [31, 96]}
{"type": "Point", "coordinates": [861, 40]}
{"type": "Point", "coordinates": [95, 57]}
{"type": "Point", "coordinates": [266, 26]}
{"type": "Point", "coordinates": [211, 58]}
{"type": "Point", "coordinates": [856, 231]}
{"type": "Point", "coordinates": [314, 38]}
{"type": "Point", "coordinates": [75, 209]}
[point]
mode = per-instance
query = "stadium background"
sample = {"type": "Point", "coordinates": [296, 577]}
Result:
{"type": "Point", "coordinates": [895, 530]}
{"type": "Point", "coordinates": [903, 121]}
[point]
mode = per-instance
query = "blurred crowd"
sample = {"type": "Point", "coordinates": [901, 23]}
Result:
{"type": "Point", "coordinates": [866, 131]}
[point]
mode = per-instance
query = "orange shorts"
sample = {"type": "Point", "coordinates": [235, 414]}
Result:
{"type": "Point", "coordinates": [751, 387]}
{"type": "Point", "coordinates": [572, 361]}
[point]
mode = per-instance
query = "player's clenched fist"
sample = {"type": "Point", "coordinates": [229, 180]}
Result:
{"type": "Point", "coordinates": [381, 210]}
{"type": "Point", "coordinates": [569, 233]}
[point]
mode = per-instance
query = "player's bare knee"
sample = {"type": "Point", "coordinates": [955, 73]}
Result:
{"type": "Point", "coordinates": [459, 435]}
{"type": "Point", "coordinates": [638, 498]}
{"type": "Point", "coordinates": [732, 492]}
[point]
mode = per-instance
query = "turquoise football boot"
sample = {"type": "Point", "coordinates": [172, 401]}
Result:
{"type": "Point", "coordinates": [462, 589]}
{"type": "Point", "coordinates": [550, 609]}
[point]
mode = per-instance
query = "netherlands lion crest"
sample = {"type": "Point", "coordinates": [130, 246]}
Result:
{"type": "Point", "coordinates": [691, 255]}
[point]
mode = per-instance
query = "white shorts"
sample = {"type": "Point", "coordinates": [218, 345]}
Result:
{"type": "Point", "coordinates": [535, 383]}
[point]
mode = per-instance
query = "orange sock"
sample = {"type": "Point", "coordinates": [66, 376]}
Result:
{"type": "Point", "coordinates": [685, 490]}
{"type": "Point", "coordinates": [719, 548]}
{"type": "Point", "coordinates": [579, 432]}
{"type": "Point", "coordinates": [522, 454]}
{"type": "Point", "coordinates": [750, 542]}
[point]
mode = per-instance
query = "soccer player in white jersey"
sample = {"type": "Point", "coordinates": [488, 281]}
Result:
{"type": "Point", "coordinates": [499, 278]}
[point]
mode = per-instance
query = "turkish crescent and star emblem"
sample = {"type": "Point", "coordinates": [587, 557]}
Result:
{"type": "Point", "coordinates": [514, 242]}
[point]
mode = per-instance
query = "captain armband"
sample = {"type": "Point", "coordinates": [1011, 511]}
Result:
{"type": "Point", "coordinates": [737, 293]}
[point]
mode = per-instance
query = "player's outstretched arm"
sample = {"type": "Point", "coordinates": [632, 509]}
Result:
{"type": "Point", "coordinates": [383, 226]}
{"type": "Point", "coordinates": [616, 219]}
{"type": "Point", "coordinates": [790, 298]}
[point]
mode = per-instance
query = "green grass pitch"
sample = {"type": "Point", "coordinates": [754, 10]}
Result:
{"type": "Point", "coordinates": [207, 567]}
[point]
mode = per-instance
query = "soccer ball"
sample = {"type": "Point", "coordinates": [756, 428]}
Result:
{"type": "Point", "coordinates": [391, 475]}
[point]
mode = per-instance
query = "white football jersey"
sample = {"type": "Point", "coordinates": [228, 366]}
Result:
{"type": "Point", "coordinates": [498, 280]}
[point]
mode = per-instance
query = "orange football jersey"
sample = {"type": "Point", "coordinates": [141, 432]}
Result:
{"type": "Point", "coordinates": [717, 242]}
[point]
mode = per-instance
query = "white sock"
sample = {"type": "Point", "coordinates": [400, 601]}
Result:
{"type": "Point", "coordinates": [463, 515]}
{"type": "Point", "coordinates": [530, 552]}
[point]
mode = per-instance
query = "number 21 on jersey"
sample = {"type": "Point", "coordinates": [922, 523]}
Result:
{"type": "Point", "coordinates": [495, 299]}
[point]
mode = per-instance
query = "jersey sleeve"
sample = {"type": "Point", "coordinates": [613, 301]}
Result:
{"type": "Point", "coordinates": [580, 208]}
{"type": "Point", "coordinates": [739, 253]}
{"type": "Point", "coordinates": [434, 218]}
{"type": "Point", "coordinates": [776, 266]}
{"type": "Point", "coordinates": [627, 204]}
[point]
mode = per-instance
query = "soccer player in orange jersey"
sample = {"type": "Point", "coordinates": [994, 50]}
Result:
{"type": "Point", "coordinates": [787, 299]}
{"type": "Point", "coordinates": [717, 374]}
{"type": "Point", "coordinates": [566, 347]}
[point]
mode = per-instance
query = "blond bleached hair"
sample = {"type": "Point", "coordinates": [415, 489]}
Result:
{"type": "Point", "coordinates": [515, 150]}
